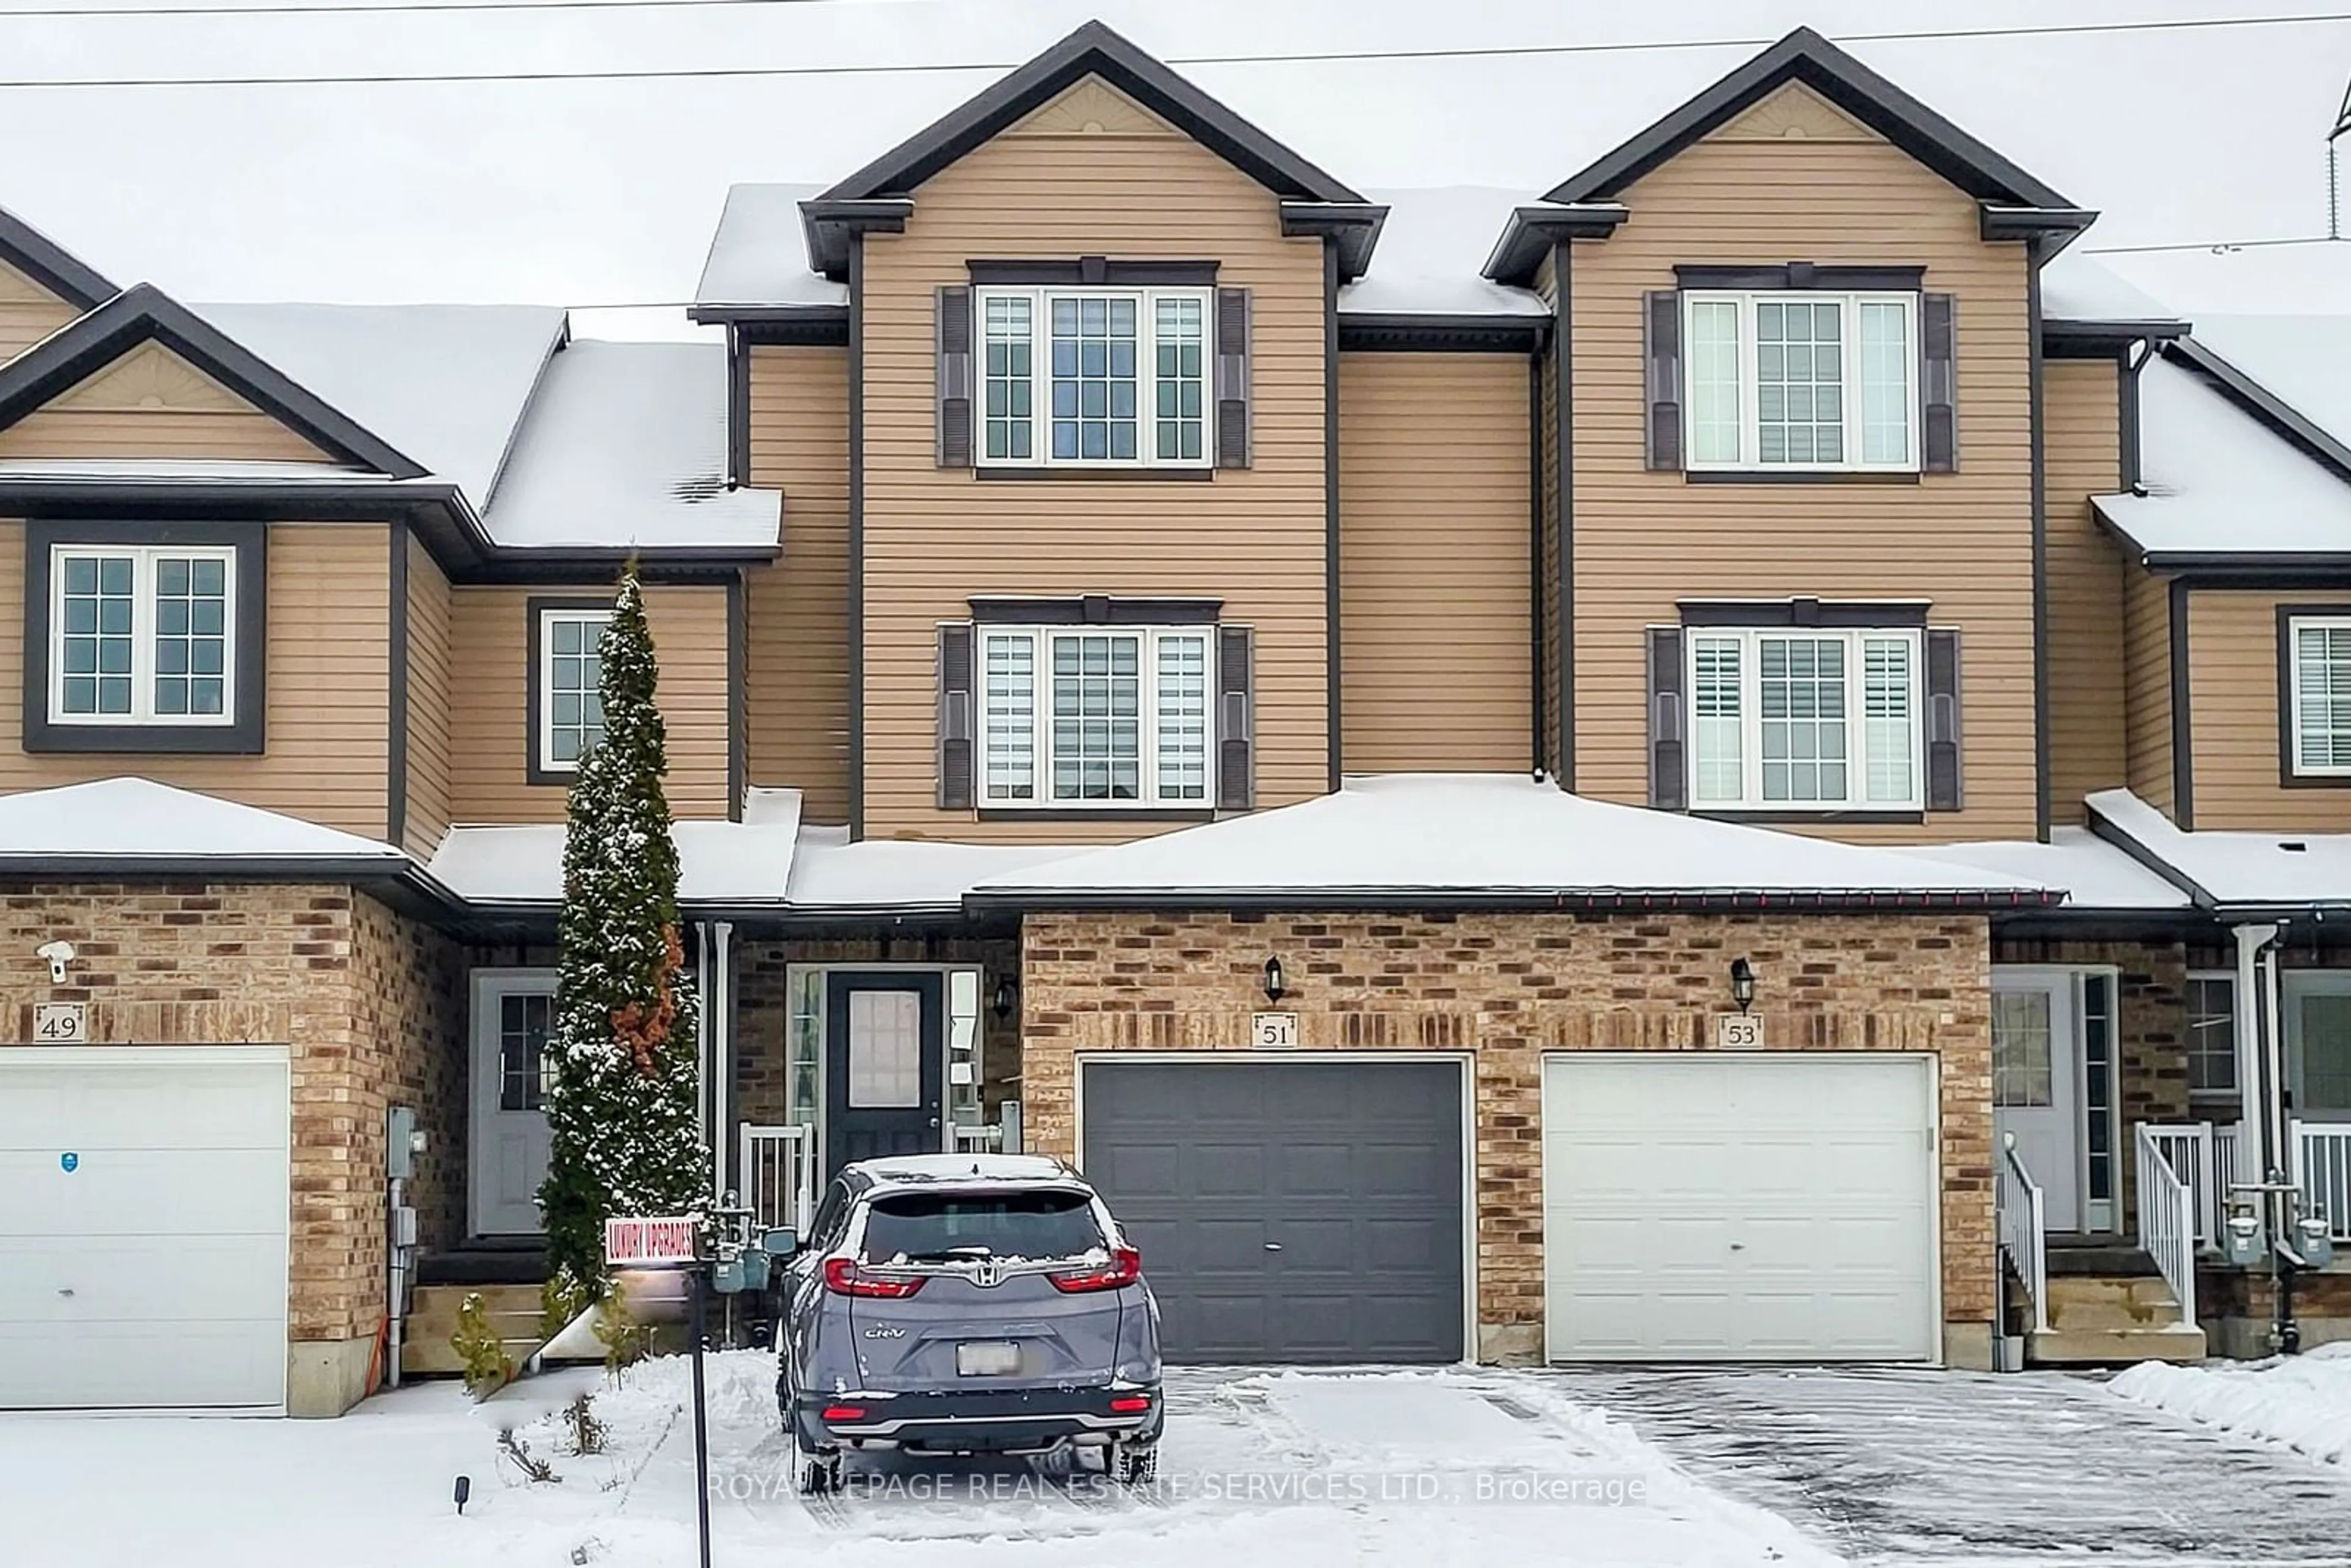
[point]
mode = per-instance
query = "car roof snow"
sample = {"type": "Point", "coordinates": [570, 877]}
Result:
{"type": "Point", "coordinates": [914, 1170]}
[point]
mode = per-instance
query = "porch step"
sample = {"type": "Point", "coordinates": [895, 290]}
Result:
{"type": "Point", "coordinates": [2105, 1258]}
{"type": "Point", "coordinates": [2103, 1320]}
{"type": "Point", "coordinates": [517, 1263]}
{"type": "Point", "coordinates": [433, 1319]}
{"type": "Point", "coordinates": [2113, 1347]}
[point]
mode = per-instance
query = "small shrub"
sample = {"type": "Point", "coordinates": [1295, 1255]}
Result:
{"type": "Point", "coordinates": [586, 1431]}
{"type": "Point", "coordinates": [487, 1366]}
{"type": "Point", "coordinates": [626, 1339]}
{"type": "Point", "coordinates": [534, 1468]}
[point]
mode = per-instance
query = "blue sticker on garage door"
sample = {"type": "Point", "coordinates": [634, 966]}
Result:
{"type": "Point", "coordinates": [69, 1163]}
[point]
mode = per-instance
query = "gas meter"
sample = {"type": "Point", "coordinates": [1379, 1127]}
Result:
{"type": "Point", "coordinates": [2241, 1242]}
{"type": "Point", "coordinates": [2313, 1240]}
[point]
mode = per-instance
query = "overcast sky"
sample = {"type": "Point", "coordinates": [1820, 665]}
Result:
{"type": "Point", "coordinates": [585, 192]}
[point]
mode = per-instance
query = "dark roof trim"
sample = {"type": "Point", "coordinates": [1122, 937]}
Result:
{"type": "Point", "coordinates": [832, 226]}
{"type": "Point", "coordinates": [2250, 568]}
{"type": "Point", "coordinates": [1352, 227]}
{"type": "Point", "coordinates": [1440, 332]}
{"type": "Point", "coordinates": [817, 326]}
{"type": "Point", "coordinates": [2262, 404]}
{"type": "Point", "coordinates": [1531, 233]}
{"type": "Point", "coordinates": [1805, 55]}
{"type": "Point", "coordinates": [51, 265]}
{"type": "Point", "coordinates": [1803, 275]}
{"type": "Point", "coordinates": [2062, 226]}
{"type": "Point", "coordinates": [2065, 338]}
{"type": "Point", "coordinates": [1093, 610]}
{"type": "Point", "coordinates": [1092, 51]}
{"type": "Point", "coordinates": [1804, 612]}
{"type": "Point", "coordinates": [145, 313]}
{"type": "Point", "coordinates": [1296, 900]}
{"type": "Point", "coordinates": [1093, 272]}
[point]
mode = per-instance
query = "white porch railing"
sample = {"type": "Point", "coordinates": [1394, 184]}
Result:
{"type": "Point", "coordinates": [975, 1139]}
{"type": "Point", "coordinates": [2190, 1150]}
{"type": "Point", "coordinates": [2023, 1235]}
{"type": "Point", "coordinates": [2322, 1165]}
{"type": "Point", "coordinates": [2205, 1155]}
{"type": "Point", "coordinates": [779, 1176]}
{"type": "Point", "coordinates": [2166, 1221]}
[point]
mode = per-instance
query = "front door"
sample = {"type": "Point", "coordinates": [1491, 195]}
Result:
{"type": "Point", "coordinates": [2035, 1092]}
{"type": "Point", "coordinates": [513, 1009]}
{"type": "Point", "coordinates": [2318, 1044]}
{"type": "Point", "coordinates": [885, 1065]}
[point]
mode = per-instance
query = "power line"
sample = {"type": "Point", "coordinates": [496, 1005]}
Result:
{"type": "Point", "coordinates": [1318, 56]}
{"type": "Point", "coordinates": [2215, 246]}
{"type": "Point", "coordinates": [394, 7]}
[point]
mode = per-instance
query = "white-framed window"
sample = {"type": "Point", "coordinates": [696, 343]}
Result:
{"type": "Point", "coordinates": [1095, 377]}
{"type": "Point", "coordinates": [1097, 716]}
{"type": "Point", "coordinates": [1804, 718]}
{"type": "Point", "coordinates": [142, 634]}
{"type": "Point", "coordinates": [571, 707]}
{"type": "Point", "coordinates": [2321, 699]}
{"type": "Point", "coordinates": [1801, 380]}
{"type": "Point", "coordinates": [2211, 1003]}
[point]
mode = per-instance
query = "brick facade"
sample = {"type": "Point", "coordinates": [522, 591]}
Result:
{"type": "Point", "coordinates": [1509, 988]}
{"type": "Point", "coordinates": [372, 1008]}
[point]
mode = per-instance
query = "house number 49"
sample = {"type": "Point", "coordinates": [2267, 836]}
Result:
{"type": "Point", "coordinates": [61, 1023]}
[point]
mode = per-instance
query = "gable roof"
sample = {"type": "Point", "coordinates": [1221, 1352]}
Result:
{"type": "Point", "coordinates": [50, 264]}
{"type": "Point", "coordinates": [146, 314]}
{"type": "Point", "coordinates": [1092, 51]}
{"type": "Point", "coordinates": [114, 822]}
{"type": "Point", "coordinates": [1806, 57]}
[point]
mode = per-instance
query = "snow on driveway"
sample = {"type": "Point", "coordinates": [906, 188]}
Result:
{"type": "Point", "coordinates": [2302, 1402]}
{"type": "Point", "coordinates": [1422, 1468]}
{"type": "Point", "coordinates": [1912, 1466]}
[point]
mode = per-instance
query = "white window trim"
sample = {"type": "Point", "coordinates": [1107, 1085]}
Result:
{"type": "Point", "coordinates": [142, 635]}
{"type": "Point", "coordinates": [1750, 440]}
{"type": "Point", "coordinates": [545, 675]}
{"type": "Point", "coordinates": [1041, 722]}
{"type": "Point", "coordinates": [2221, 977]}
{"type": "Point", "coordinates": [1751, 718]}
{"type": "Point", "coordinates": [2294, 627]}
{"type": "Point", "coordinates": [1146, 378]}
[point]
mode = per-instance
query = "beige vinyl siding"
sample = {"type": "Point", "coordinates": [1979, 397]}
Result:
{"type": "Point", "coordinates": [1253, 538]}
{"type": "Point", "coordinates": [2232, 711]}
{"type": "Point", "coordinates": [798, 673]}
{"type": "Point", "coordinates": [490, 708]}
{"type": "Point", "coordinates": [150, 402]}
{"type": "Point", "coordinates": [2147, 707]}
{"type": "Point", "coordinates": [2088, 748]}
{"type": "Point", "coordinates": [428, 700]}
{"type": "Point", "coordinates": [1644, 540]}
{"type": "Point", "coordinates": [28, 312]}
{"type": "Point", "coordinates": [1432, 541]}
{"type": "Point", "coordinates": [330, 686]}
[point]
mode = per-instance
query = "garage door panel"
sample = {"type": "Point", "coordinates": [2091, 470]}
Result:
{"type": "Point", "coordinates": [1351, 1166]}
{"type": "Point", "coordinates": [1711, 1207]}
{"type": "Point", "coordinates": [135, 1193]}
{"type": "Point", "coordinates": [62, 1107]}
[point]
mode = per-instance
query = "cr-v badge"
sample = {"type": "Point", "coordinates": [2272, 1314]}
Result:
{"type": "Point", "coordinates": [885, 1333]}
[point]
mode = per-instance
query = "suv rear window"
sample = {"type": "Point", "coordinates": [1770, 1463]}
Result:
{"type": "Point", "coordinates": [933, 1226]}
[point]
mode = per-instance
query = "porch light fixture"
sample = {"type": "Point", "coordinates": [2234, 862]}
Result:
{"type": "Point", "coordinates": [1006, 999]}
{"type": "Point", "coordinates": [1274, 988]}
{"type": "Point", "coordinates": [1743, 984]}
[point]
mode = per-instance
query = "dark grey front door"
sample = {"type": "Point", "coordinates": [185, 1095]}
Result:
{"type": "Point", "coordinates": [1290, 1210]}
{"type": "Point", "coordinates": [885, 1065]}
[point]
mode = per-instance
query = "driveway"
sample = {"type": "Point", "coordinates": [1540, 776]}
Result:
{"type": "Point", "coordinates": [1916, 1466]}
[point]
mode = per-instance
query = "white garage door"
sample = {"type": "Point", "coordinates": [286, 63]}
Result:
{"type": "Point", "coordinates": [1774, 1206]}
{"type": "Point", "coordinates": [143, 1200]}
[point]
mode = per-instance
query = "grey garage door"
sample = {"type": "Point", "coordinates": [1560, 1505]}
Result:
{"type": "Point", "coordinates": [1290, 1210]}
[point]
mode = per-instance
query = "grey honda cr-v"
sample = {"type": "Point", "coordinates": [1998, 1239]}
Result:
{"type": "Point", "coordinates": [963, 1304]}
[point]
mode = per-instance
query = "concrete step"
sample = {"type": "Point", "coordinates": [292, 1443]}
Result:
{"type": "Point", "coordinates": [514, 1315]}
{"type": "Point", "coordinates": [2113, 1347]}
{"type": "Point", "coordinates": [2102, 1303]}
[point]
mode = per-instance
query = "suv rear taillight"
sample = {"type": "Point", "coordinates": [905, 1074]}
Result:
{"type": "Point", "coordinates": [844, 1276]}
{"type": "Point", "coordinates": [1124, 1268]}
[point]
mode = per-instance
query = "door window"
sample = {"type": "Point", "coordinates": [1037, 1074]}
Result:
{"type": "Point", "coordinates": [522, 1049]}
{"type": "Point", "coordinates": [2325, 1053]}
{"type": "Point", "coordinates": [2020, 1050]}
{"type": "Point", "coordinates": [885, 1049]}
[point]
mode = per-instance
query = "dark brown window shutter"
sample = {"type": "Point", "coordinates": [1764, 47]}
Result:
{"type": "Point", "coordinates": [954, 377]}
{"type": "Point", "coordinates": [1668, 771]}
{"type": "Point", "coordinates": [1664, 378]}
{"type": "Point", "coordinates": [1939, 384]}
{"type": "Point", "coordinates": [955, 716]}
{"type": "Point", "coordinates": [1232, 378]}
{"type": "Point", "coordinates": [1943, 772]}
{"type": "Point", "coordinates": [1236, 720]}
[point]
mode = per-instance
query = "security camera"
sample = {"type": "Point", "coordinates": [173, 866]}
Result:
{"type": "Point", "coordinates": [58, 954]}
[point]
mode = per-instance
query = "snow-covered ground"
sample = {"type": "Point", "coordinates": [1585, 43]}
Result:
{"type": "Point", "coordinates": [2302, 1402]}
{"type": "Point", "coordinates": [1425, 1468]}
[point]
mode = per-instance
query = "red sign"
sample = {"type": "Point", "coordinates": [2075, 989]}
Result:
{"type": "Point", "coordinates": [639, 1241]}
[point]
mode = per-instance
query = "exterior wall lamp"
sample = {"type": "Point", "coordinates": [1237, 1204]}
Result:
{"type": "Point", "coordinates": [1006, 999]}
{"type": "Point", "coordinates": [1743, 984]}
{"type": "Point", "coordinates": [1274, 987]}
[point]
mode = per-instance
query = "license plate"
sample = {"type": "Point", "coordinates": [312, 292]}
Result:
{"type": "Point", "coordinates": [987, 1358]}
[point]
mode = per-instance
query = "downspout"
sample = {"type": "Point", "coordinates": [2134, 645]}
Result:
{"type": "Point", "coordinates": [2285, 1333]}
{"type": "Point", "coordinates": [721, 1010]}
{"type": "Point", "coordinates": [2252, 1113]}
{"type": "Point", "coordinates": [704, 1121]}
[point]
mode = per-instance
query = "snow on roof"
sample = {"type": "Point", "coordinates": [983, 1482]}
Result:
{"type": "Point", "coordinates": [759, 254]}
{"type": "Point", "coordinates": [2218, 479]}
{"type": "Point", "coordinates": [140, 819]}
{"type": "Point", "coordinates": [742, 863]}
{"type": "Point", "coordinates": [1496, 834]}
{"type": "Point", "coordinates": [2074, 288]}
{"type": "Point", "coordinates": [900, 875]}
{"type": "Point", "coordinates": [175, 470]}
{"type": "Point", "coordinates": [625, 445]}
{"type": "Point", "coordinates": [2232, 868]}
{"type": "Point", "coordinates": [2299, 358]}
{"type": "Point", "coordinates": [447, 384]}
{"type": "Point", "coordinates": [965, 1167]}
{"type": "Point", "coordinates": [2095, 873]}
{"type": "Point", "coordinates": [1431, 249]}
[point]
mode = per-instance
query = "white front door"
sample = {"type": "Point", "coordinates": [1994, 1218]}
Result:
{"type": "Point", "coordinates": [2035, 1086]}
{"type": "Point", "coordinates": [513, 1010]}
{"type": "Point", "coordinates": [2319, 1043]}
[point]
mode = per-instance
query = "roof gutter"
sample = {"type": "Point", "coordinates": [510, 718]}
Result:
{"type": "Point", "coordinates": [1591, 902]}
{"type": "Point", "coordinates": [1531, 231]}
